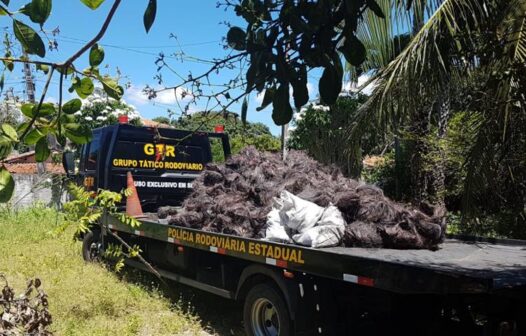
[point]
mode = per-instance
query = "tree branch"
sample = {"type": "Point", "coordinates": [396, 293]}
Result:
{"type": "Point", "coordinates": [97, 37]}
{"type": "Point", "coordinates": [4, 8]}
{"type": "Point", "coordinates": [146, 263]}
{"type": "Point", "coordinates": [216, 66]}
{"type": "Point", "coordinates": [18, 60]}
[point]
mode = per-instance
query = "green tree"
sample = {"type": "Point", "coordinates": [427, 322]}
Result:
{"type": "Point", "coordinates": [46, 120]}
{"type": "Point", "coordinates": [241, 134]}
{"type": "Point", "coordinates": [99, 110]}
{"type": "Point", "coordinates": [470, 56]}
{"type": "Point", "coordinates": [385, 39]}
{"type": "Point", "coordinates": [162, 120]}
{"type": "Point", "coordinates": [10, 112]}
{"type": "Point", "coordinates": [320, 129]}
{"type": "Point", "coordinates": [282, 41]}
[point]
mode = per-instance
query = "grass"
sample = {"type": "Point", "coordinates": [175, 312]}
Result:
{"type": "Point", "coordinates": [85, 298]}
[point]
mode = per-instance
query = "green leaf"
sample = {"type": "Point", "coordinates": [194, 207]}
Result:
{"type": "Point", "coordinates": [244, 109]}
{"type": "Point", "coordinates": [93, 4]}
{"type": "Point", "coordinates": [33, 136]}
{"type": "Point", "coordinates": [353, 50]}
{"type": "Point", "coordinates": [7, 185]}
{"type": "Point", "coordinates": [96, 55]}
{"type": "Point", "coordinates": [61, 139]}
{"type": "Point", "coordinates": [6, 146]}
{"type": "Point", "coordinates": [91, 72]}
{"type": "Point", "coordinates": [45, 110]}
{"type": "Point", "coordinates": [6, 2]}
{"type": "Point", "coordinates": [236, 38]}
{"type": "Point", "coordinates": [85, 87]}
{"type": "Point", "coordinates": [10, 65]}
{"type": "Point", "coordinates": [10, 132]}
{"type": "Point", "coordinates": [300, 94]}
{"type": "Point", "coordinates": [79, 134]}
{"type": "Point", "coordinates": [252, 73]}
{"type": "Point", "coordinates": [27, 110]}
{"type": "Point", "coordinates": [267, 98]}
{"type": "Point", "coordinates": [330, 84]}
{"type": "Point", "coordinates": [42, 150]}
{"type": "Point", "coordinates": [38, 10]}
{"type": "Point", "coordinates": [30, 40]}
{"type": "Point", "coordinates": [67, 71]}
{"type": "Point", "coordinates": [30, 110]}
{"type": "Point", "coordinates": [44, 68]}
{"type": "Point", "coordinates": [2, 83]}
{"type": "Point", "coordinates": [111, 87]}
{"type": "Point", "coordinates": [149, 15]}
{"type": "Point", "coordinates": [75, 83]}
{"type": "Point", "coordinates": [22, 127]}
{"type": "Point", "coordinates": [67, 118]}
{"type": "Point", "coordinates": [375, 8]}
{"type": "Point", "coordinates": [282, 111]}
{"type": "Point", "coordinates": [72, 106]}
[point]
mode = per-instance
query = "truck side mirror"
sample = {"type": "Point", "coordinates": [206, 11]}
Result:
{"type": "Point", "coordinates": [68, 162]}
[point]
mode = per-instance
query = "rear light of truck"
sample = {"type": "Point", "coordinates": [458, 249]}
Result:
{"type": "Point", "coordinates": [123, 119]}
{"type": "Point", "coordinates": [219, 128]}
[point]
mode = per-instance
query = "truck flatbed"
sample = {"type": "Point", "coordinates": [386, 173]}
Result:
{"type": "Point", "coordinates": [458, 267]}
{"type": "Point", "coordinates": [463, 288]}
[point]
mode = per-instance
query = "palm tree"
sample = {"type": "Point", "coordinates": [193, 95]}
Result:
{"type": "Point", "coordinates": [384, 40]}
{"type": "Point", "coordinates": [477, 45]}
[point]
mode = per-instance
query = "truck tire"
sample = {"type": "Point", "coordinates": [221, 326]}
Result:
{"type": "Point", "coordinates": [91, 247]}
{"type": "Point", "coordinates": [265, 312]}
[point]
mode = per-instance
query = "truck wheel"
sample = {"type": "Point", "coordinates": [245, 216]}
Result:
{"type": "Point", "coordinates": [265, 312]}
{"type": "Point", "coordinates": [91, 247]}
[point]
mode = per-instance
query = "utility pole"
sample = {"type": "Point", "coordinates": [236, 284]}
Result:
{"type": "Point", "coordinates": [284, 138]}
{"type": "Point", "coordinates": [30, 85]}
{"type": "Point", "coordinates": [285, 128]}
{"type": "Point", "coordinates": [30, 92]}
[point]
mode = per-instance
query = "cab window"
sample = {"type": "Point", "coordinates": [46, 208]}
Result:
{"type": "Point", "coordinates": [93, 154]}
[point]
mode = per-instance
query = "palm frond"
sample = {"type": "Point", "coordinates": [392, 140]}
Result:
{"type": "Point", "coordinates": [378, 36]}
{"type": "Point", "coordinates": [424, 66]}
{"type": "Point", "coordinates": [385, 38]}
{"type": "Point", "coordinates": [460, 40]}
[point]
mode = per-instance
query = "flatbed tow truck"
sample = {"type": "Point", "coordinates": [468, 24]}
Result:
{"type": "Point", "coordinates": [470, 286]}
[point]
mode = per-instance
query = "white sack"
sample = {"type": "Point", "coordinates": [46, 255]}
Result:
{"type": "Point", "coordinates": [320, 236]}
{"type": "Point", "coordinates": [296, 213]}
{"type": "Point", "coordinates": [332, 216]}
{"type": "Point", "coordinates": [275, 231]}
{"type": "Point", "coordinates": [328, 231]}
{"type": "Point", "coordinates": [294, 219]}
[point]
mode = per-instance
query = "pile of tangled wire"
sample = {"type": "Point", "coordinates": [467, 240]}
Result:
{"type": "Point", "coordinates": [235, 198]}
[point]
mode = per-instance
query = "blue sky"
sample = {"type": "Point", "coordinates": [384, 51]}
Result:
{"type": "Point", "coordinates": [195, 23]}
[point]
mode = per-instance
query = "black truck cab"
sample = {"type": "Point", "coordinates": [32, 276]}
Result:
{"type": "Point", "coordinates": [163, 161]}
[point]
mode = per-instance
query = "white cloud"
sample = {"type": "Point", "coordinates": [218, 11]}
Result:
{"type": "Point", "coordinates": [136, 95]}
{"type": "Point", "coordinates": [194, 108]}
{"type": "Point", "coordinates": [259, 97]}
{"type": "Point", "coordinates": [363, 79]}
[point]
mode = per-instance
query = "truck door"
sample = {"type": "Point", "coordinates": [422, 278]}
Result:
{"type": "Point", "coordinates": [89, 161]}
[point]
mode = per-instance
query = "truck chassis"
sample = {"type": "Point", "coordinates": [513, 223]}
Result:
{"type": "Point", "coordinates": [465, 288]}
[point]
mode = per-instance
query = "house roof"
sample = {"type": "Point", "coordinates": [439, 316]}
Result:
{"type": "Point", "coordinates": [16, 157]}
{"type": "Point", "coordinates": [31, 168]}
{"type": "Point", "coordinates": [151, 123]}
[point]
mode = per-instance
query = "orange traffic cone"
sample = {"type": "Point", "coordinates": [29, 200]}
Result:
{"type": "Point", "coordinates": [133, 203]}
